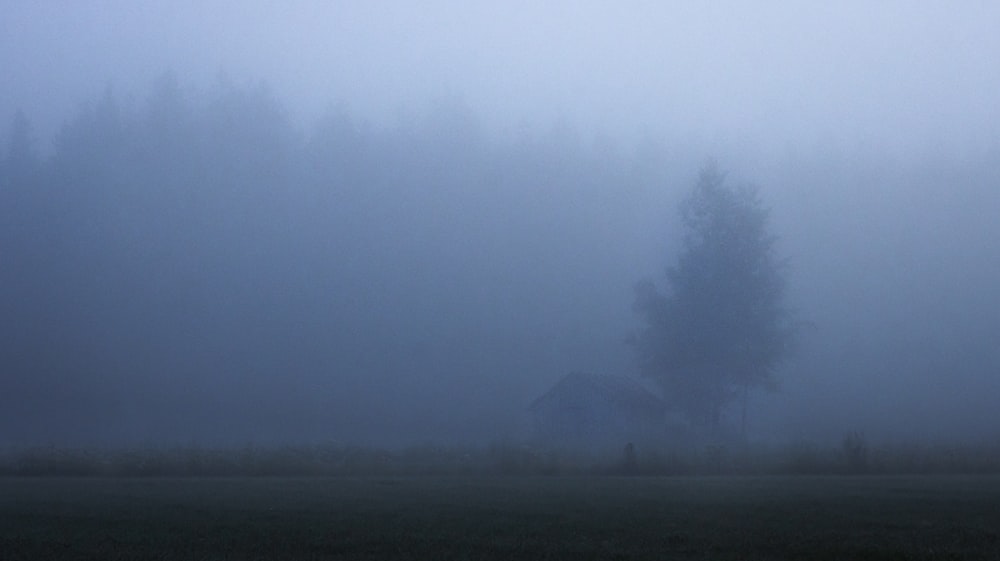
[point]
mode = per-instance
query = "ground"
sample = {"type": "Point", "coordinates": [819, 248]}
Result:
{"type": "Point", "coordinates": [927, 517]}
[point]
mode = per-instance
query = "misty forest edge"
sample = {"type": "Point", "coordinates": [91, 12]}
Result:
{"type": "Point", "coordinates": [720, 330]}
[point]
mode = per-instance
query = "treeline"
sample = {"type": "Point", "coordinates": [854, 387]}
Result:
{"type": "Point", "coordinates": [195, 260]}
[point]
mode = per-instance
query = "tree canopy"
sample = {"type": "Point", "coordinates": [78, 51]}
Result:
{"type": "Point", "coordinates": [722, 327]}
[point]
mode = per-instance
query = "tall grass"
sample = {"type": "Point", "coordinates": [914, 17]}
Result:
{"type": "Point", "coordinates": [853, 456]}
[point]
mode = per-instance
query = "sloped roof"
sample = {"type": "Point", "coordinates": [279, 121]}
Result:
{"type": "Point", "coordinates": [619, 391]}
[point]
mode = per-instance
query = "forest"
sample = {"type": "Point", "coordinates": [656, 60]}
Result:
{"type": "Point", "coordinates": [189, 266]}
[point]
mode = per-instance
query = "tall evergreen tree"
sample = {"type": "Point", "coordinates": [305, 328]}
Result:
{"type": "Point", "coordinates": [20, 158]}
{"type": "Point", "coordinates": [722, 327]}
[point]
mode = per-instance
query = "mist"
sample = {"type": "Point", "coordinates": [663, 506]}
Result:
{"type": "Point", "coordinates": [397, 224]}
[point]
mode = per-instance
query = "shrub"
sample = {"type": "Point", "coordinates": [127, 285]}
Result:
{"type": "Point", "coordinates": [855, 450]}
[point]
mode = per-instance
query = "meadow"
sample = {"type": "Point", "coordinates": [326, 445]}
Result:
{"type": "Point", "coordinates": [501, 517]}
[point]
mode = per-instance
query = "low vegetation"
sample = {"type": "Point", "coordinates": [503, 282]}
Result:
{"type": "Point", "coordinates": [853, 456]}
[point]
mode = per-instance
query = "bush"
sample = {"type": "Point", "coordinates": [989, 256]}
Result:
{"type": "Point", "coordinates": [855, 450]}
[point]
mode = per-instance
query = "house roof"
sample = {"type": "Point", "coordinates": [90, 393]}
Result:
{"type": "Point", "coordinates": [618, 391]}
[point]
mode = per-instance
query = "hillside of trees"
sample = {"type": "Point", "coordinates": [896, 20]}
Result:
{"type": "Point", "coordinates": [193, 261]}
{"type": "Point", "coordinates": [190, 266]}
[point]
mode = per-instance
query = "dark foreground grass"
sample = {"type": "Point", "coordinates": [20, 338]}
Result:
{"type": "Point", "coordinates": [914, 517]}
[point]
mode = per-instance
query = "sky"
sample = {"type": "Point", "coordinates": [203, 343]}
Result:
{"type": "Point", "coordinates": [872, 129]}
{"type": "Point", "coordinates": [894, 74]}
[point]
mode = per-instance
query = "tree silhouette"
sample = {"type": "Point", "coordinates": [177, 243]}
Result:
{"type": "Point", "coordinates": [20, 160]}
{"type": "Point", "coordinates": [722, 328]}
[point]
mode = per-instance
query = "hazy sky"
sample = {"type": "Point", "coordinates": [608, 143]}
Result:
{"type": "Point", "coordinates": [893, 73]}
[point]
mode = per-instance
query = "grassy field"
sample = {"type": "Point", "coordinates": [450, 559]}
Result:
{"type": "Point", "coordinates": [914, 517]}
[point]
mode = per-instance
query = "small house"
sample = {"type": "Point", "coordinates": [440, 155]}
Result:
{"type": "Point", "coordinates": [597, 413]}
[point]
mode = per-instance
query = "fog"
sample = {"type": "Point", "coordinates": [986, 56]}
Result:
{"type": "Point", "coordinates": [400, 222]}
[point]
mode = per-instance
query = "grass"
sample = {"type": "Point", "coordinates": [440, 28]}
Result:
{"type": "Point", "coordinates": [854, 456]}
{"type": "Point", "coordinates": [482, 517]}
